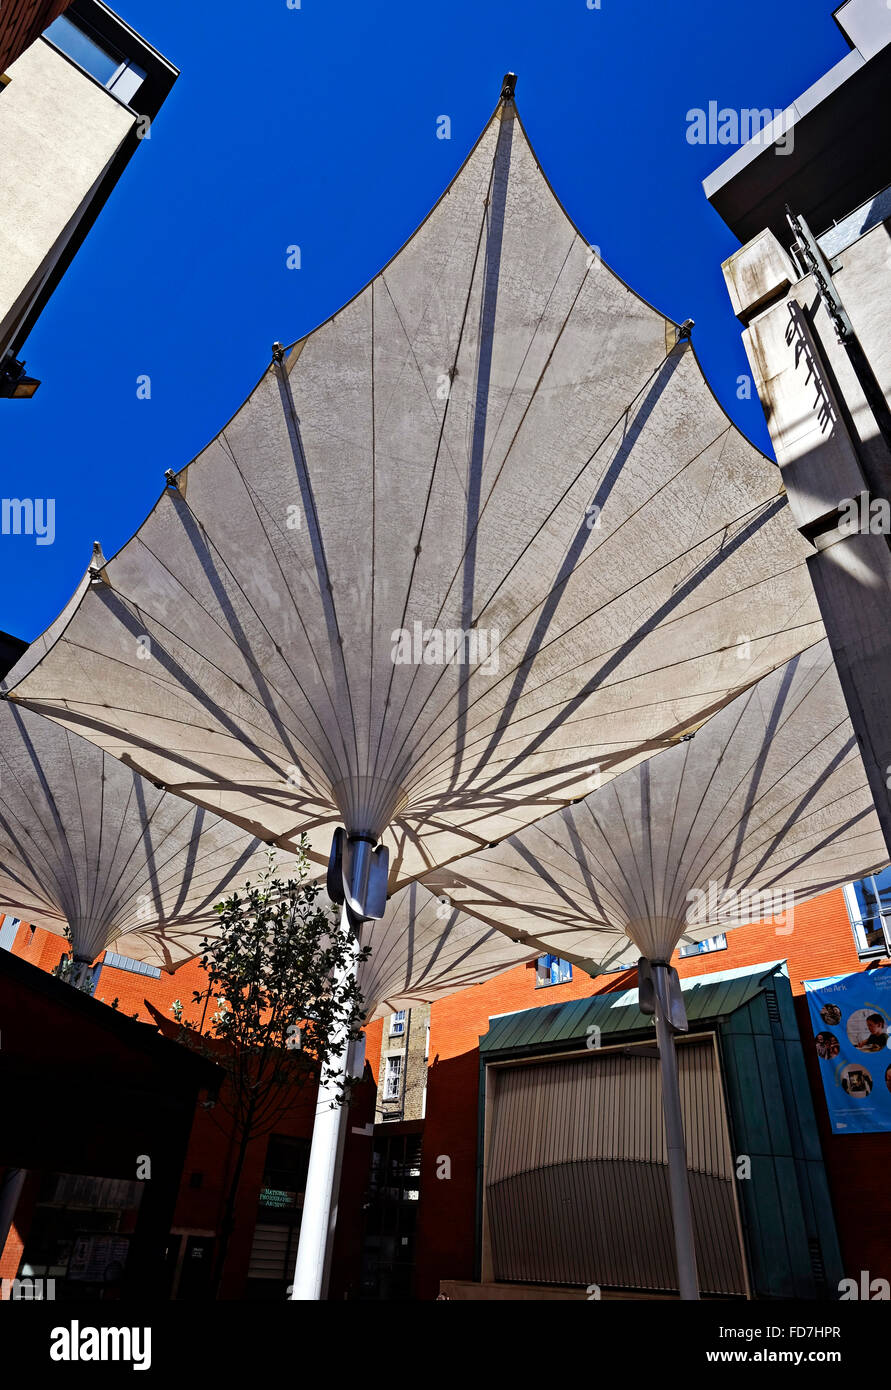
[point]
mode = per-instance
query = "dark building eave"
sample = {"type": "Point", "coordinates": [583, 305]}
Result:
{"type": "Point", "coordinates": [840, 155]}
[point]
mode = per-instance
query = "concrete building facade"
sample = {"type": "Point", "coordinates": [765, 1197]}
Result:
{"type": "Point", "coordinates": [402, 1083]}
{"type": "Point", "coordinates": [74, 107]}
{"type": "Point", "coordinates": [812, 285]}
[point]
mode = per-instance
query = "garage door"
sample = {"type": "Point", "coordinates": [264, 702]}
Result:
{"type": "Point", "coordinates": [576, 1177]}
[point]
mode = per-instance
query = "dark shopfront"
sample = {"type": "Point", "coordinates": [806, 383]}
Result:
{"type": "Point", "coordinates": [97, 1111]}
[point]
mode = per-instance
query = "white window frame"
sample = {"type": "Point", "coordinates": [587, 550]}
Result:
{"type": "Point", "coordinates": [393, 1073]}
{"type": "Point", "coordinates": [858, 928]}
{"type": "Point", "coordinates": [397, 1023]}
{"type": "Point", "coordinates": [718, 942]}
{"type": "Point", "coordinates": [9, 930]}
{"type": "Point", "coordinates": [127, 77]}
{"type": "Point", "coordinates": [545, 980]}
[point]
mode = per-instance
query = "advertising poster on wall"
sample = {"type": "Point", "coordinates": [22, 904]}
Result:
{"type": "Point", "coordinates": [851, 1019]}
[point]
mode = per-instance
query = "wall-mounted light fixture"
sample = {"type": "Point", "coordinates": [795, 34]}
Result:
{"type": "Point", "coordinates": [13, 382]}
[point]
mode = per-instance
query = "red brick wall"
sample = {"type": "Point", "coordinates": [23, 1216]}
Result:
{"type": "Point", "coordinates": [21, 21]}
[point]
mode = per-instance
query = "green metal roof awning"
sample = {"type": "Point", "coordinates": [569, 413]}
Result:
{"type": "Point", "coordinates": [705, 997]}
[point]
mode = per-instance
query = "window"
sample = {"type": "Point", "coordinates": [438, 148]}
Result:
{"type": "Point", "coordinates": [391, 1217]}
{"type": "Point", "coordinates": [112, 69]}
{"type": "Point", "coordinates": [136, 967]}
{"type": "Point", "coordinates": [700, 948]}
{"type": "Point", "coordinates": [397, 1023]}
{"type": "Point", "coordinates": [284, 1177]}
{"type": "Point", "coordinates": [88, 54]}
{"type": "Point", "coordinates": [393, 1077]}
{"type": "Point", "coordinates": [551, 970]}
{"type": "Point", "coordinates": [8, 932]}
{"type": "Point", "coordinates": [869, 908]}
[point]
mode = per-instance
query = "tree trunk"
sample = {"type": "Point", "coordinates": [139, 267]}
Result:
{"type": "Point", "coordinates": [227, 1224]}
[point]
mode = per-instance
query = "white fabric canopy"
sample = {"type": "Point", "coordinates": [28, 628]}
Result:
{"type": "Point", "coordinates": [481, 538]}
{"type": "Point", "coordinates": [85, 842]}
{"type": "Point", "coordinates": [766, 806]}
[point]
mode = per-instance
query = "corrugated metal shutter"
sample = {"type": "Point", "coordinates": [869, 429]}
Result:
{"type": "Point", "coordinates": [270, 1253]}
{"type": "Point", "coordinates": [576, 1175]}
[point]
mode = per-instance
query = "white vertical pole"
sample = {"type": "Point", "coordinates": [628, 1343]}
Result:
{"type": "Point", "coordinates": [356, 1066]}
{"type": "Point", "coordinates": [319, 1202]}
{"type": "Point", "coordinates": [679, 1186]}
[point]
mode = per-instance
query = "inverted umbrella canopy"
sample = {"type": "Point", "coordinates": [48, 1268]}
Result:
{"type": "Point", "coordinates": [424, 949]}
{"type": "Point", "coordinates": [481, 537]}
{"type": "Point", "coordinates": [767, 805]}
{"type": "Point", "coordinates": [88, 845]}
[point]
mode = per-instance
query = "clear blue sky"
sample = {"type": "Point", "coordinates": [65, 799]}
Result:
{"type": "Point", "coordinates": [317, 127]}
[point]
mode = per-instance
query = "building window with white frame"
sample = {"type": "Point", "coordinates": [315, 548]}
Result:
{"type": "Point", "coordinates": [397, 1023]}
{"type": "Point", "coordinates": [117, 73]}
{"type": "Point", "coordinates": [701, 948]}
{"type": "Point", "coordinates": [393, 1077]}
{"type": "Point", "coordinates": [551, 970]}
{"type": "Point", "coordinates": [869, 907]}
{"type": "Point", "coordinates": [8, 932]}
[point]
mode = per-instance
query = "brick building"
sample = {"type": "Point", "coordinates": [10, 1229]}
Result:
{"type": "Point", "coordinates": [263, 1244]}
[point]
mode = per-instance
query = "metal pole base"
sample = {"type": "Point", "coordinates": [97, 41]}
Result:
{"type": "Point", "coordinates": [679, 1186]}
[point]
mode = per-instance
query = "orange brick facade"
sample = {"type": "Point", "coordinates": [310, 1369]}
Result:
{"type": "Point", "coordinates": [820, 943]}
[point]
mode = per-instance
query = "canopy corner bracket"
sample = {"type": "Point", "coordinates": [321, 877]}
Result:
{"type": "Point", "coordinates": [97, 565]}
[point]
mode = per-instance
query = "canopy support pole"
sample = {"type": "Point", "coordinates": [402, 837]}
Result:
{"type": "Point", "coordinates": [679, 1186]}
{"type": "Point", "coordinates": [80, 970]}
{"type": "Point", "coordinates": [325, 1156]}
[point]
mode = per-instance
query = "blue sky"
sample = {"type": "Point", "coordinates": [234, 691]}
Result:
{"type": "Point", "coordinates": [317, 127]}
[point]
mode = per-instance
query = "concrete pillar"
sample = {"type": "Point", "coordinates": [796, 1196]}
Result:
{"type": "Point", "coordinates": [827, 445]}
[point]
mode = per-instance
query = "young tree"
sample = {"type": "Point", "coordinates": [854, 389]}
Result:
{"type": "Point", "coordinates": [280, 971]}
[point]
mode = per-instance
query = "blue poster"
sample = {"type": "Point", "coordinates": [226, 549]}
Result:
{"type": "Point", "coordinates": [851, 1019]}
